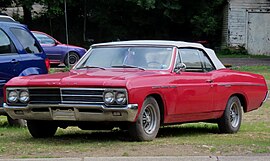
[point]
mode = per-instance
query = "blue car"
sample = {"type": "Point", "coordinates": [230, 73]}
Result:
{"type": "Point", "coordinates": [20, 55]}
{"type": "Point", "coordinates": [57, 52]}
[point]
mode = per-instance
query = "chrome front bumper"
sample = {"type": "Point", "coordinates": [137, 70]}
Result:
{"type": "Point", "coordinates": [72, 112]}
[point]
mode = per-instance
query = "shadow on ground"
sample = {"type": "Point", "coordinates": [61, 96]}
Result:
{"type": "Point", "coordinates": [122, 135]}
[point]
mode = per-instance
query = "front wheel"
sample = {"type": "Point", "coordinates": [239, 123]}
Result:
{"type": "Point", "coordinates": [41, 129]}
{"type": "Point", "coordinates": [147, 125]}
{"type": "Point", "coordinates": [71, 59]}
{"type": "Point", "coordinates": [230, 122]}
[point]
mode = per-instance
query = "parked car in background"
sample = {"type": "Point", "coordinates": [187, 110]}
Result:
{"type": "Point", "coordinates": [138, 86]}
{"type": "Point", "coordinates": [58, 52]}
{"type": "Point", "coordinates": [4, 18]}
{"type": "Point", "coordinates": [20, 55]}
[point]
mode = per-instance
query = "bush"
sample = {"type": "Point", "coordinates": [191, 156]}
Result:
{"type": "Point", "coordinates": [239, 50]}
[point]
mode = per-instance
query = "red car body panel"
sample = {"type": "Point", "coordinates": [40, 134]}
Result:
{"type": "Point", "coordinates": [186, 96]}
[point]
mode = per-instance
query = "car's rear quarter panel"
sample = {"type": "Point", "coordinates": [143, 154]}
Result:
{"type": "Point", "coordinates": [251, 88]}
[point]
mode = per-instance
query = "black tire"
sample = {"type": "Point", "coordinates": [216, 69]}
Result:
{"type": "Point", "coordinates": [71, 59]}
{"type": "Point", "coordinates": [41, 129]}
{"type": "Point", "coordinates": [16, 122]}
{"type": "Point", "coordinates": [231, 119]}
{"type": "Point", "coordinates": [147, 125]}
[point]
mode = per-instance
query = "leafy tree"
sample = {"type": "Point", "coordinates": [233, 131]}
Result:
{"type": "Point", "coordinates": [4, 4]}
{"type": "Point", "coordinates": [109, 20]}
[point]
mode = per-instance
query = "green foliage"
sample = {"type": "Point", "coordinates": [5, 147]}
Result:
{"type": "Point", "coordinates": [5, 3]}
{"type": "Point", "coordinates": [207, 20]}
{"type": "Point", "coordinates": [103, 20]}
{"type": "Point", "coordinates": [147, 4]}
{"type": "Point", "coordinates": [239, 50]}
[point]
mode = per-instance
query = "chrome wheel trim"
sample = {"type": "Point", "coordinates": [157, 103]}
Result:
{"type": "Point", "coordinates": [149, 119]}
{"type": "Point", "coordinates": [234, 115]}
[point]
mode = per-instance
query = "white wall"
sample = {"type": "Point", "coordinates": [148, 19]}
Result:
{"type": "Point", "coordinates": [238, 25]}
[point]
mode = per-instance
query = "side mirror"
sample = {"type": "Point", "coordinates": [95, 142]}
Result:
{"type": "Point", "coordinates": [180, 67]}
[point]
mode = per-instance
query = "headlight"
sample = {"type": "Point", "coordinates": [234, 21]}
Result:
{"type": "Point", "coordinates": [12, 96]}
{"type": "Point", "coordinates": [120, 98]}
{"type": "Point", "coordinates": [24, 96]}
{"type": "Point", "coordinates": [109, 97]}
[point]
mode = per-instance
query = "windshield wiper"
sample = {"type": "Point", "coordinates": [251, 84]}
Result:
{"type": "Point", "coordinates": [87, 67]}
{"type": "Point", "coordinates": [127, 66]}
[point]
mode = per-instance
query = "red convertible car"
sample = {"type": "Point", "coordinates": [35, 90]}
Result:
{"type": "Point", "coordinates": [137, 86]}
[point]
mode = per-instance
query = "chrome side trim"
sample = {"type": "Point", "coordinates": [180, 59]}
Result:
{"type": "Point", "coordinates": [239, 84]}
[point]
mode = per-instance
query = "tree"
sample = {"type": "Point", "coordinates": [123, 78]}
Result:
{"type": "Point", "coordinates": [4, 4]}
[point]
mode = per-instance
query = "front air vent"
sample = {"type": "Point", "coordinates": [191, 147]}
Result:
{"type": "Point", "coordinates": [44, 95]}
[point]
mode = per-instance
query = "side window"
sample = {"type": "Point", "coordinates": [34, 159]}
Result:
{"type": "Point", "coordinates": [208, 66]}
{"type": "Point", "coordinates": [191, 58]}
{"type": "Point", "coordinates": [27, 40]}
{"type": "Point", "coordinates": [6, 46]}
{"type": "Point", "coordinates": [43, 39]}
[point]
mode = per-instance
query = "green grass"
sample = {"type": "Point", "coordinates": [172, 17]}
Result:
{"type": "Point", "coordinates": [263, 70]}
{"type": "Point", "coordinates": [253, 137]}
{"type": "Point", "coordinates": [242, 56]}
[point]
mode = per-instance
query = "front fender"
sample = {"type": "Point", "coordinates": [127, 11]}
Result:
{"type": "Point", "coordinates": [32, 71]}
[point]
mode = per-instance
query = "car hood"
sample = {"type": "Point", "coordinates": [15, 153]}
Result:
{"type": "Point", "coordinates": [84, 78]}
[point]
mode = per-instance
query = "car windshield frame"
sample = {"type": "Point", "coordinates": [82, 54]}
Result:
{"type": "Point", "coordinates": [166, 51]}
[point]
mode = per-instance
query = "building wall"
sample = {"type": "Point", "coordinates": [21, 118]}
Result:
{"type": "Point", "coordinates": [237, 23]}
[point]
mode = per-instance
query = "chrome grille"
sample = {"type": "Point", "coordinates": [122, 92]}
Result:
{"type": "Point", "coordinates": [66, 95]}
{"type": "Point", "coordinates": [83, 95]}
{"type": "Point", "coordinates": [44, 95]}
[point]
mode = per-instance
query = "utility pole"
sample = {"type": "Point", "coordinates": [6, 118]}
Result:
{"type": "Point", "coordinates": [66, 22]}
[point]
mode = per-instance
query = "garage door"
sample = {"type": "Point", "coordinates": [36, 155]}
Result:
{"type": "Point", "coordinates": [258, 42]}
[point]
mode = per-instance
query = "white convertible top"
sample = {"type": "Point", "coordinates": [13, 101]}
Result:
{"type": "Point", "coordinates": [177, 44]}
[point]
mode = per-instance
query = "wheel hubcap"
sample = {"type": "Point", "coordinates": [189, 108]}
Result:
{"type": "Point", "coordinates": [234, 115]}
{"type": "Point", "coordinates": [149, 119]}
{"type": "Point", "coordinates": [72, 59]}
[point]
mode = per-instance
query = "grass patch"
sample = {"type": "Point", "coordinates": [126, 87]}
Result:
{"type": "Point", "coordinates": [263, 70]}
{"type": "Point", "coordinates": [203, 138]}
{"type": "Point", "coordinates": [242, 56]}
{"type": "Point", "coordinates": [3, 121]}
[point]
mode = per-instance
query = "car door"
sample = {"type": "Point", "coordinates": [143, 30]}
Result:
{"type": "Point", "coordinates": [9, 61]}
{"type": "Point", "coordinates": [52, 48]}
{"type": "Point", "coordinates": [31, 55]}
{"type": "Point", "coordinates": [194, 83]}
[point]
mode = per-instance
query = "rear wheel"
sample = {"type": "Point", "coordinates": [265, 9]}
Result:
{"type": "Point", "coordinates": [71, 59]}
{"type": "Point", "coordinates": [41, 129]}
{"type": "Point", "coordinates": [147, 125]}
{"type": "Point", "coordinates": [230, 122]}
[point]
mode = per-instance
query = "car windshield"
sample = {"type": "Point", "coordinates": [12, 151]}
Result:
{"type": "Point", "coordinates": [128, 57]}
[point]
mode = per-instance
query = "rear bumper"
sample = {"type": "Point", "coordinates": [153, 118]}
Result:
{"type": "Point", "coordinates": [72, 112]}
{"type": "Point", "coordinates": [266, 97]}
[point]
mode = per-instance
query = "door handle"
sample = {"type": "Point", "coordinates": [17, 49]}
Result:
{"type": "Point", "coordinates": [209, 81]}
{"type": "Point", "coordinates": [14, 61]}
